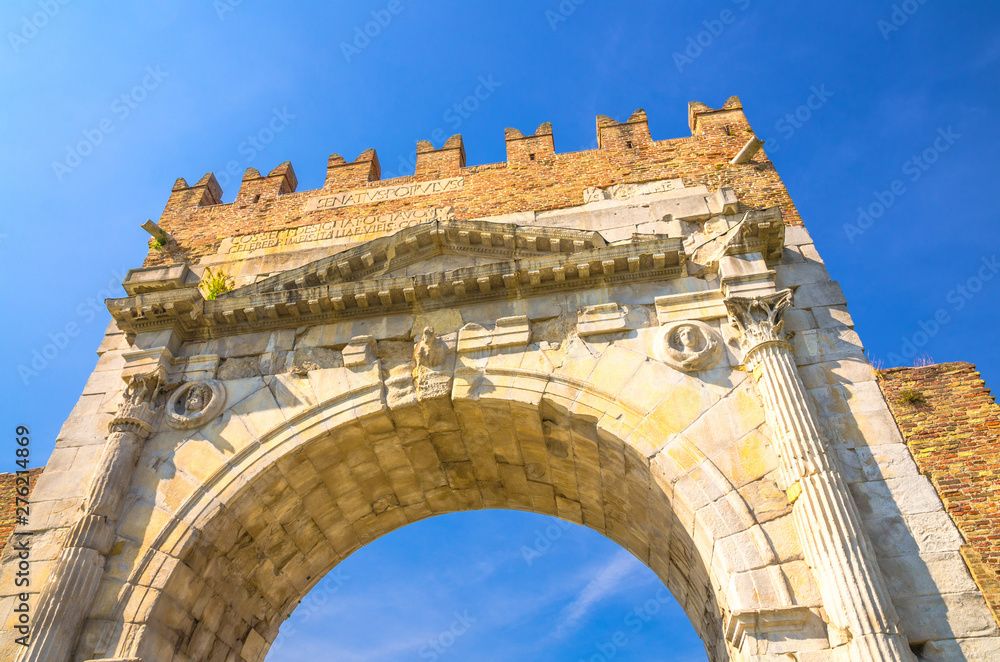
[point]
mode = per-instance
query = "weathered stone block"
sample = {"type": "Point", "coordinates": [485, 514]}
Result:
{"type": "Point", "coordinates": [955, 615]}
{"type": "Point", "coordinates": [926, 575]}
{"type": "Point", "coordinates": [817, 294]}
{"type": "Point", "coordinates": [797, 235]}
{"type": "Point", "coordinates": [796, 275]}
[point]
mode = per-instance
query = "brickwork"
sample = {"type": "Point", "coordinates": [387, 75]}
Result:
{"type": "Point", "coordinates": [7, 502]}
{"type": "Point", "coordinates": [534, 178]}
{"type": "Point", "coordinates": [951, 423]}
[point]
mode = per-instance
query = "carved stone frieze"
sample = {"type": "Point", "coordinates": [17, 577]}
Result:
{"type": "Point", "coordinates": [375, 258]}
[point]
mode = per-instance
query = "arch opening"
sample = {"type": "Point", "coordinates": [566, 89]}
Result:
{"type": "Point", "coordinates": [251, 543]}
{"type": "Point", "coordinates": [488, 585]}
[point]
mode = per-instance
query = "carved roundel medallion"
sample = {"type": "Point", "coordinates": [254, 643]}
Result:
{"type": "Point", "coordinates": [194, 404]}
{"type": "Point", "coordinates": [689, 345]}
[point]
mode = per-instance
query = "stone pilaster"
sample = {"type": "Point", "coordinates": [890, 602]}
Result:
{"type": "Point", "coordinates": [826, 518]}
{"type": "Point", "coordinates": [69, 592]}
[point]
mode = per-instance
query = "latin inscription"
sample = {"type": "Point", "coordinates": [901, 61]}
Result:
{"type": "Point", "coordinates": [366, 196]}
{"type": "Point", "coordinates": [349, 230]}
{"type": "Point", "coordinates": [626, 191]}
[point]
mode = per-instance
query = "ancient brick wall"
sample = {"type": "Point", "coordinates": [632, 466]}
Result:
{"type": "Point", "coordinates": [951, 423]}
{"type": "Point", "coordinates": [534, 178]}
{"type": "Point", "coordinates": [7, 502]}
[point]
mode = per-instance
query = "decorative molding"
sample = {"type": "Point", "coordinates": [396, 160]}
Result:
{"type": "Point", "coordinates": [299, 297]}
{"type": "Point", "coordinates": [602, 318]}
{"type": "Point", "coordinates": [141, 361]}
{"type": "Point", "coordinates": [701, 305]}
{"type": "Point", "coordinates": [508, 332]}
{"type": "Point", "coordinates": [375, 258]}
{"type": "Point", "coordinates": [753, 623]}
{"type": "Point", "coordinates": [759, 231]}
{"type": "Point", "coordinates": [360, 351]}
{"type": "Point", "coordinates": [192, 368]}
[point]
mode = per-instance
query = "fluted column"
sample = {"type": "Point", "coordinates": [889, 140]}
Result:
{"type": "Point", "coordinates": [72, 586]}
{"type": "Point", "coordinates": [826, 518]}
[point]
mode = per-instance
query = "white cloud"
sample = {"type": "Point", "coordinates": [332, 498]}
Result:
{"type": "Point", "coordinates": [608, 581]}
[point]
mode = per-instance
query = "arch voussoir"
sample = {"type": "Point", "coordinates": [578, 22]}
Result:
{"type": "Point", "coordinates": [522, 439]}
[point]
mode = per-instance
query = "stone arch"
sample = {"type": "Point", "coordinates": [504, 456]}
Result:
{"type": "Point", "coordinates": [247, 544]}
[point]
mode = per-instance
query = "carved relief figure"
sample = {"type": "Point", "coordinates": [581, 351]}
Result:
{"type": "Point", "coordinates": [195, 404]}
{"type": "Point", "coordinates": [429, 350]}
{"type": "Point", "coordinates": [431, 374]}
{"type": "Point", "coordinates": [689, 345]}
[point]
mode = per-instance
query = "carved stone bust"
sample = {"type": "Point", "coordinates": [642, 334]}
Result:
{"type": "Point", "coordinates": [689, 345]}
{"type": "Point", "coordinates": [194, 404]}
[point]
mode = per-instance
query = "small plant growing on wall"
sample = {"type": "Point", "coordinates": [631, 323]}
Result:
{"type": "Point", "coordinates": [215, 283]}
{"type": "Point", "coordinates": [157, 244]}
{"type": "Point", "coordinates": [877, 365]}
{"type": "Point", "coordinates": [911, 396]}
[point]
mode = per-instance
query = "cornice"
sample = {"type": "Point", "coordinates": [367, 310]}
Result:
{"type": "Point", "coordinates": [500, 241]}
{"type": "Point", "coordinates": [527, 261]}
{"type": "Point", "coordinates": [289, 301]}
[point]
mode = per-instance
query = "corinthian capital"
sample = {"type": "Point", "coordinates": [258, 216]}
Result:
{"type": "Point", "coordinates": [759, 319]}
{"type": "Point", "coordinates": [138, 410]}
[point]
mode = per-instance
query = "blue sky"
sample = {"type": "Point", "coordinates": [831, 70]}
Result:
{"type": "Point", "coordinates": [161, 89]}
{"type": "Point", "coordinates": [491, 585]}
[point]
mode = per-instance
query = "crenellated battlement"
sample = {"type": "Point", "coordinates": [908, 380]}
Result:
{"type": "Point", "coordinates": [534, 177]}
{"type": "Point", "coordinates": [522, 149]}
{"type": "Point", "coordinates": [341, 175]}
{"type": "Point", "coordinates": [728, 120]}
{"type": "Point", "coordinates": [449, 159]}
{"type": "Point", "coordinates": [623, 135]}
